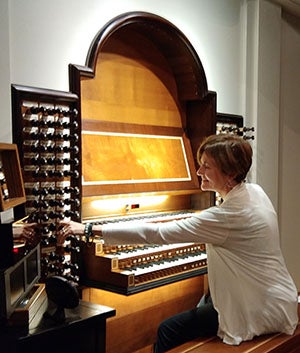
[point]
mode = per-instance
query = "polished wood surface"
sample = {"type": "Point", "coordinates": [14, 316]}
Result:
{"type": "Point", "coordinates": [127, 149]}
{"type": "Point", "coordinates": [84, 330]}
{"type": "Point", "coordinates": [276, 343]}
{"type": "Point", "coordinates": [273, 343]}
{"type": "Point", "coordinates": [134, 327]}
{"type": "Point", "coordinates": [12, 192]}
{"type": "Point", "coordinates": [127, 90]}
{"type": "Point", "coordinates": [131, 116]}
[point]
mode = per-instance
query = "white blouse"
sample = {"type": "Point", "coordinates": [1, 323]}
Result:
{"type": "Point", "coordinates": [250, 286]}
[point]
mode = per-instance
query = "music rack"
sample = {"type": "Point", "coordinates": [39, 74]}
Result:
{"type": "Point", "coordinates": [12, 191]}
{"type": "Point", "coordinates": [46, 129]}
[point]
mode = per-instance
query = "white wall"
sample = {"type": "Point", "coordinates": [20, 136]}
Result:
{"type": "Point", "coordinates": [289, 162]}
{"type": "Point", "coordinates": [5, 104]}
{"type": "Point", "coordinates": [272, 106]}
{"type": "Point", "coordinates": [48, 35]}
{"type": "Point", "coordinates": [262, 58]}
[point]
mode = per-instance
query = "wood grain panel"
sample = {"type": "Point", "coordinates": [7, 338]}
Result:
{"type": "Point", "coordinates": [273, 343]}
{"type": "Point", "coordinates": [138, 316]}
{"type": "Point", "coordinates": [126, 90]}
{"type": "Point", "coordinates": [127, 158]}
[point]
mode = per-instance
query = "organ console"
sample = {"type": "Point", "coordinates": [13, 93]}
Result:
{"type": "Point", "coordinates": [121, 145]}
{"type": "Point", "coordinates": [142, 143]}
{"type": "Point", "coordinates": [132, 268]}
{"type": "Point", "coordinates": [80, 149]}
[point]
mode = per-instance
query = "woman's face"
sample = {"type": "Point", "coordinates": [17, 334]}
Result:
{"type": "Point", "coordinates": [213, 179]}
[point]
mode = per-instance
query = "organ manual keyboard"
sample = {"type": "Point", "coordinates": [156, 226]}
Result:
{"type": "Point", "coordinates": [135, 268]}
{"type": "Point", "coordinates": [132, 268]}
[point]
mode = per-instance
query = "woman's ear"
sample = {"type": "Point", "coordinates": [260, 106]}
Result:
{"type": "Point", "coordinates": [231, 182]}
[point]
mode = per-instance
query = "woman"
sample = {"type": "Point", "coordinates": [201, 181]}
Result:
{"type": "Point", "coordinates": [252, 292]}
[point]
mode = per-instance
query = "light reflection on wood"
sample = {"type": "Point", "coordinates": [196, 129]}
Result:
{"type": "Point", "coordinates": [128, 158]}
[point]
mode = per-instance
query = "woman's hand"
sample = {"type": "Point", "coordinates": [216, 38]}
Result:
{"type": "Point", "coordinates": [25, 232]}
{"type": "Point", "coordinates": [68, 228]}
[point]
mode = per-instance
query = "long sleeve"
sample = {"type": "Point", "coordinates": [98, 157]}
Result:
{"type": "Point", "coordinates": [208, 226]}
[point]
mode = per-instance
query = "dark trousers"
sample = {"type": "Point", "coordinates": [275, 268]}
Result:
{"type": "Point", "coordinates": [199, 322]}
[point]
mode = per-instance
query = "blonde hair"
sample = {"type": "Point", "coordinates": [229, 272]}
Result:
{"type": "Point", "coordinates": [232, 154]}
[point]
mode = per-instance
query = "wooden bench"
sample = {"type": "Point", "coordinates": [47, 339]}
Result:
{"type": "Point", "coordinates": [275, 343]}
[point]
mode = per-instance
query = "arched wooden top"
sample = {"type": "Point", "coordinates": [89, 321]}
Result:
{"type": "Point", "coordinates": [171, 42]}
{"type": "Point", "coordinates": [144, 106]}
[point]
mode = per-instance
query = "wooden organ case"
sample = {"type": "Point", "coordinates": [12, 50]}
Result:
{"type": "Point", "coordinates": [145, 108]}
{"type": "Point", "coordinates": [138, 111]}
